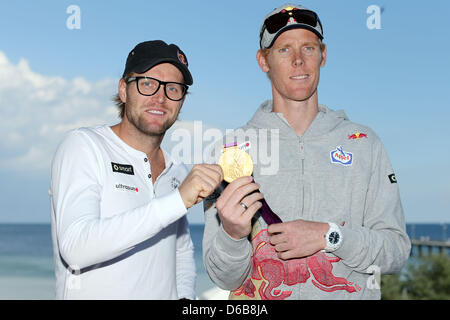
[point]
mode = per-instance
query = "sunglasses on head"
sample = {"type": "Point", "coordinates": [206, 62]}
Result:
{"type": "Point", "coordinates": [279, 20]}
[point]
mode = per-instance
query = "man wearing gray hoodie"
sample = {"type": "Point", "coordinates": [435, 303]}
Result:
{"type": "Point", "coordinates": [335, 190]}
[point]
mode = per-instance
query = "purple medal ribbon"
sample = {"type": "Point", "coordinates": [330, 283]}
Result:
{"type": "Point", "coordinates": [267, 214]}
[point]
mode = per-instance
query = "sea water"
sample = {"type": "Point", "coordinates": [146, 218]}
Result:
{"type": "Point", "coordinates": [27, 267]}
{"type": "Point", "coordinates": [26, 262]}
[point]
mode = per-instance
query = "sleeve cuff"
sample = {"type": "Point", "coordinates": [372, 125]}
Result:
{"type": "Point", "coordinates": [347, 249]}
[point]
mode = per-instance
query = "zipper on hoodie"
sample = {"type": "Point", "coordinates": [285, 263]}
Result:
{"type": "Point", "coordinates": [302, 158]}
{"type": "Point", "coordinates": [302, 155]}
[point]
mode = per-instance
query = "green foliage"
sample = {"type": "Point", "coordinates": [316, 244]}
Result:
{"type": "Point", "coordinates": [424, 278]}
{"type": "Point", "coordinates": [392, 287]}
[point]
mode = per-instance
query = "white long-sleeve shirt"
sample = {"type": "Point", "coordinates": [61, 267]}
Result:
{"type": "Point", "coordinates": [116, 235]}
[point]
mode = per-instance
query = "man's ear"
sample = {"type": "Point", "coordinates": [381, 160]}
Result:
{"type": "Point", "coordinates": [262, 61]}
{"type": "Point", "coordinates": [123, 90]}
{"type": "Point", "coordinates": [324, 55]}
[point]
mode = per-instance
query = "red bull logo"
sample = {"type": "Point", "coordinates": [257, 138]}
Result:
{"type": "Point", "coordinates": [182, 58]}
{"type": "Point", "coordinates": [269, 273]}
{"type": "Point", "coordinates": [357, 136]}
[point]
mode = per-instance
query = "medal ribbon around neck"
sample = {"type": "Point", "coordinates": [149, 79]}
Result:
{"type": "Point", "coordinates": [236, 163]}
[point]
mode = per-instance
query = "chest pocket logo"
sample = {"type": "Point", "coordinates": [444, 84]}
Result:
{"type": "Point", "coordinates": [122, 168]}
{"type": "Point", "coordinates": [174, 183]}
{"type": "Point", "coordinates": [339, 156]}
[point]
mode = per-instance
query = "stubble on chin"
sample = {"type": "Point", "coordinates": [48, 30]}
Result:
{"type": "Point", "coordinates": [147, 129]}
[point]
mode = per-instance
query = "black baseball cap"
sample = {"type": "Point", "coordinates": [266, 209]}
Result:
{"type": "Point", "coordinates": [148, 54]}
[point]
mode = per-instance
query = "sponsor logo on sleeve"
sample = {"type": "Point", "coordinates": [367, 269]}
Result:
{"type": "Point", "coordinates": [392, 178]}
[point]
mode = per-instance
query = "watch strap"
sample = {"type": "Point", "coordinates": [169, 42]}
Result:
{"type": "Point", "coordinates": [333, 238]}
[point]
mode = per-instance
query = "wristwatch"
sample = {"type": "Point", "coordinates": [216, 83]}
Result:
{"type": "Point", "coordinates": [333, 237]}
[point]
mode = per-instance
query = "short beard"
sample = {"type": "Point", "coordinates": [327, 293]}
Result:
{"type": "Point", "coordinates": [141, 127]}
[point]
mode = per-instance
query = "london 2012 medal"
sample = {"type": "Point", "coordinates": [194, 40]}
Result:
{"type": "Point", "coordinates": [235, 163]}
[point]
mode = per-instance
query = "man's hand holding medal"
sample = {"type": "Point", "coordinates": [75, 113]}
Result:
{"type": "Point", "coordinates": [241, 199]}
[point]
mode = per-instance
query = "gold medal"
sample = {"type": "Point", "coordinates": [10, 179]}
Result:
{"type": "Point", "coordinates": [235, 163]}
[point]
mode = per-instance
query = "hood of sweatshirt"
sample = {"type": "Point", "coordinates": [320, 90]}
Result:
{"type": "Point", "coordinates": [325, 121]}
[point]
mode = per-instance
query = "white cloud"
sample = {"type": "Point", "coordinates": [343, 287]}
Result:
{"type": "Point", "coordinates": [36, 110]}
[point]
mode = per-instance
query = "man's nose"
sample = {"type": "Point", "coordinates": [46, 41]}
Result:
{"type": "Point", "coordinates": [160, 95]}
{"type": "Point", "coordinates": [297, 58]}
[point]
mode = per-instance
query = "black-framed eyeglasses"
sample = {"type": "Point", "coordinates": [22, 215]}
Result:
{"type": "Point", "coordinates": [148, 86]}
{"type": "Point", "coordinates": [279, 20]}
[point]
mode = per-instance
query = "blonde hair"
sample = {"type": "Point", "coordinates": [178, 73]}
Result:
{"type": "Point", "coordinates": [118, 102]}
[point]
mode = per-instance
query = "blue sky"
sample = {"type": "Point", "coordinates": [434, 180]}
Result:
{"type": "Point", "coordinates": [394, 79]}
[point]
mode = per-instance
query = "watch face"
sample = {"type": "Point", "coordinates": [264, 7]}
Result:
{"type": "Point", "coordinates": [333, 238]}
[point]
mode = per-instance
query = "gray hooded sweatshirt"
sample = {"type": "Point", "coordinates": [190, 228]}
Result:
{"type": "Point", "coordinates": [337, 171]}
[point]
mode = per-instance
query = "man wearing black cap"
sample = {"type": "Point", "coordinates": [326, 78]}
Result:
{"type": "Point", "coordinates": [335, 190]}
{"type": "Point", "coordinates": [118, 201]}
